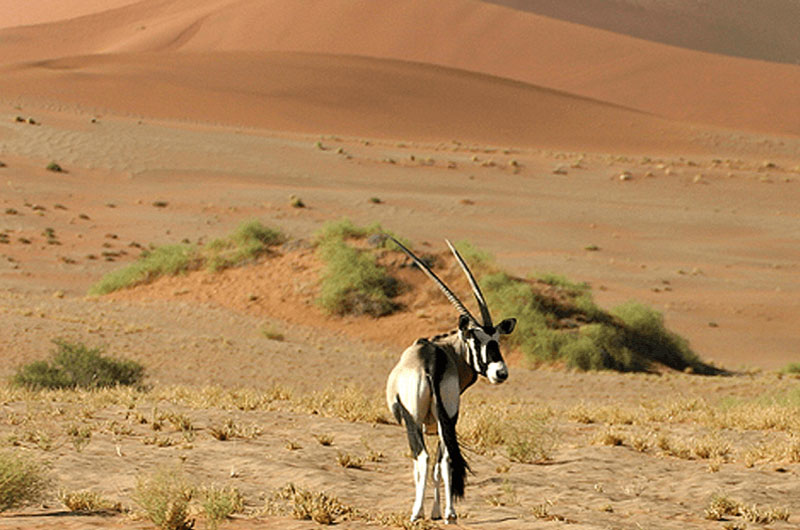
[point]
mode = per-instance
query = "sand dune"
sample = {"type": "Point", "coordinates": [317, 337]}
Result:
{"type": "Point", "coordinates": [341, 94]}
{"type": "Point", "coordinates": [757, 30]}
{"type": "Point", "coordinates": [17, 13]}
{"type": "Point", "coordinates": [479, 37]}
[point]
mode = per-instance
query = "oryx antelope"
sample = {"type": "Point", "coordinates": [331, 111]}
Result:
{"type": "Point", "coordinates": [424, 388]}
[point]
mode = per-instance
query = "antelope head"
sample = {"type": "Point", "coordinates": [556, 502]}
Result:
{"type": "Point", "coordinates": [480, 338]}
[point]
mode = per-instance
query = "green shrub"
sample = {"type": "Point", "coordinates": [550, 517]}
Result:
{"type": "Point", "coordinates": [557, 319]}
{"type": "Point", "coordinates": [791, 368]}
{"type": "Point", "coordinates": [164, 496]}
{"type": "Point", "coordinates": [248, 242]}
{"type": "Point", "coordinates": [645, 332]}
{"type": "Point", "coordinates": [344, 229]}
{"type": "Point", "coordinates": [76, 366]}
{"type": "Point", "coordinates": [352, 282]}
{"type": "Point", "coordinates": [167, 260]}
{"type": "Point", "coordinates": [22, 481]}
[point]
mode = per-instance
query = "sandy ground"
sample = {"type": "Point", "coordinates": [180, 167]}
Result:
{"type": "Point", "coordinates": [662, 174]}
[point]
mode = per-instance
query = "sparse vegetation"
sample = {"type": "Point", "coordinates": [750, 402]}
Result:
{"type": "Point", "coordinates": [247, 243]}
{"type": "Point", "coordinates": [54, 167]}
{"type": "Point", "coordinates": [305, 504]}
{"type": "Point", "coordinates": [75, 365]}
{"type": "Point", "coordinates": [80, 435]}
{"type": "Point", "coordinates": [168, 260]}
{"type": "Point", "coordinates": [22, 480]}
{"type": "Point", "coordinates": [229, 430]}
{"type": "Point", "coordinates": [721, 507]}
{"type": "Point", "coordinates": [523, 435]}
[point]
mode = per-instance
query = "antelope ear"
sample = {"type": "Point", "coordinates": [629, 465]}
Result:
{"type": "Point", "coordinates": [463, 322]}
{"type": "Point", "coordinates": [507, 326]}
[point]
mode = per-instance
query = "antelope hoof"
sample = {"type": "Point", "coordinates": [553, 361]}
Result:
{"type": "Point", "coordinates": [451, 519]}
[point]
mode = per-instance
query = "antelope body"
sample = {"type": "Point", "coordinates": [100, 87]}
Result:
{"type": "Point", "coordinates": [424, 388]}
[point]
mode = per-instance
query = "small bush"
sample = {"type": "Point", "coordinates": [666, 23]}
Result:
{"type": "Point", "coordinates": [248, 242]}
{"type": "Point", "coordinates": [272, 333]}
{"type": "Point", "coordinates": [22, 481]}
{"type": "Point", "coordinates": [168, 260]}
{"type": "Point", "coordinates": [220, 503]}
{"type": "Point", "coordinates": [164, 496]}
{"type": "Point", "coordinates": [353, 284]}
{"type": "Point", "coordinates": [344, 229]}
{"type": "Point", "coordinates": [77, 366]}
{"type": "Point", "coordinates": [791, 368]}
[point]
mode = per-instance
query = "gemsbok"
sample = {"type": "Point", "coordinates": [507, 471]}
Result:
{"type": "Point", "coordinates": [424, 389]}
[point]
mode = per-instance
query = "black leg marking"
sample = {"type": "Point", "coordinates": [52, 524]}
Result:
{"type": "Point", "coordinates": [415, 439]}
{"type": "Point", "coordinates": [447, 425]}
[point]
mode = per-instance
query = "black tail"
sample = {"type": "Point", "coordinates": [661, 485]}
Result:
{"type": "Point", "coordinates": [447, 428]}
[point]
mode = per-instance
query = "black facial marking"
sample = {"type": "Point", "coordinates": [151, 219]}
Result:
{"type": "Point", "coordinates": [493, 352]}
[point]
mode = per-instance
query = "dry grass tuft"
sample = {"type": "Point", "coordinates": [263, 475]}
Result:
{"type": "Point", "coordinates": [324, 439]}
{"type": "Point", "coordinates": [610, 436]}
{"type": "Point", "coordinates": [305, 504]}
{"type": "Point", "coordinates": [721, 506]}
{"type": "Point", "coordinates": [349, 461]}
{"type": "Point", "coordinates": [87, 501]}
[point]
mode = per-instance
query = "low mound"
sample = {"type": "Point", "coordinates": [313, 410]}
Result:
{"type": "Point", "coordinates": [558, 321]}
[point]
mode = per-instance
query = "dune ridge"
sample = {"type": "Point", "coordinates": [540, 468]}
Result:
{"type": "Point", "coordinates": [479, 37]}
{"type": "Point", "coordinates": [303, 92]}
{"type": "Point", "coordinates": [765, 30]}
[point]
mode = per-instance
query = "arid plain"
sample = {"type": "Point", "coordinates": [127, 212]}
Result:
{"type": "Point", "coordinates": [665, 171]}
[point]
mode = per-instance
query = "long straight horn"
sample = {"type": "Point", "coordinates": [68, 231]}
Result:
{"type": "Point", "coordinates": [487, 318]}
{"type": "Point", "coordinates": [447, 292]}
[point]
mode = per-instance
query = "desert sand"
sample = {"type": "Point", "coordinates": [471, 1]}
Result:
{"type": "Point", "coordinates": [656, 169]}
